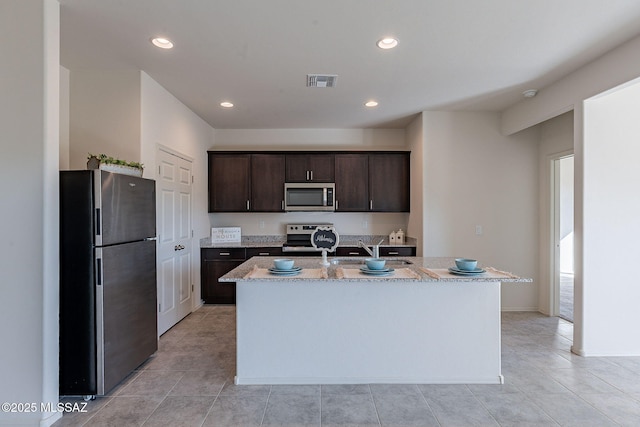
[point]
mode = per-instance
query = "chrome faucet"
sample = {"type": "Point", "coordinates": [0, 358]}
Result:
{"type": "Point", "coordinates": [375, 253]}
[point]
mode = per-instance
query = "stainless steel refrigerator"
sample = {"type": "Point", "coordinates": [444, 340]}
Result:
{"type": "Point", "coordinates": [108, 309]}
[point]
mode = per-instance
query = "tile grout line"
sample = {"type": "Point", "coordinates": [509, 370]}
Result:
{"type": "Point", "coordinates": [213, 403]}
{"type": "Point", "coordinates": [163, 399]}
{"type": "Point", "coordinates": [266, 404]}
{"type": "Point", "coordinates": [429, 406]}
{"type": "Point", "coordinates": [320, 397]}
{"type": "Point", "coordinates": [375, 407]}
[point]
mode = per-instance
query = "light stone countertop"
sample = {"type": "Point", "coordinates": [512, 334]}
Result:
{"type": "Point", "coordinates": [346, 240]}
{"type": "Point", "coordinates": [423, 267]}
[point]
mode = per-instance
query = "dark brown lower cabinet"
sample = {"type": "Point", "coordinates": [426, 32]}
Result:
{"type": "Point", "coordinates": [397, 251]}
{"type": "Point", "coordinates": [385, 251]}
{"type": "Point", "coordinates": [270, 251]}
{"type": "Point", "coordinates": [215, 263]}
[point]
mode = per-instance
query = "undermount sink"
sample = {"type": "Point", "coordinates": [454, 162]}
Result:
{"type": "Point", "coordinates": [356, 261]}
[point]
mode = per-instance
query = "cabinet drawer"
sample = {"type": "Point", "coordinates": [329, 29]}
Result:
{"type": "Point", "coordinates": [397, 251]}
{"type": "Point", "coordinates": [270, 251]}
{"type": "Point", "coordinates": [224, 253]}
{"type": "Point", "coordinates": [351, 251]}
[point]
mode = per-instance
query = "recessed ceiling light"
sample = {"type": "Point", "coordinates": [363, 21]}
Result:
{"type": "Point", "coordinates": [530, 93]}
{"type": "Point", "coordinates": [162, 43]}
{"type": "Point", "coordinates": [371, 104]}
{"type": "Point", "coordinates": [387, 43]}
{"type": "Point", "coordinates": [226, 104]}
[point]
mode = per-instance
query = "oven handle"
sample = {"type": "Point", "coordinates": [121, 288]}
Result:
{"type": "Point", "coordinates": [300, 249]}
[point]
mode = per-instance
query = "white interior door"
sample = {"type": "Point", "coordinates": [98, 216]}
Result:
{"type": "Point", "coordinates": [175, 281]}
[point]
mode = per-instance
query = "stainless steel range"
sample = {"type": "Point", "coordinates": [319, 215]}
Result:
{"type": "Point", "coordinates": [299, 239]}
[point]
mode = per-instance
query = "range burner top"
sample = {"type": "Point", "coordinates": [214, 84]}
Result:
{"type": "Point", "coordinates": [299, 238]}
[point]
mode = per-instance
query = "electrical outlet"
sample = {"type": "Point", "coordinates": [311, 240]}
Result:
{"type": "Point", "coordinates": [365, 224]}
{"type": "Point", "coordinates": [261, 224]}
{"type": "Point", "coordinates": [478, 230]}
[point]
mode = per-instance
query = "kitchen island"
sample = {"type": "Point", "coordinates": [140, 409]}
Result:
{"type": "Point", "coordinates": [334, 325]}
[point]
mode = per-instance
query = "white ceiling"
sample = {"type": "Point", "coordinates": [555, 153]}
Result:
{"type": "Point", "coordinates": [453, 54]}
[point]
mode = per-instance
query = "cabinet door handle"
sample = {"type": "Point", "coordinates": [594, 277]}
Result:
{"type": "Point", "coordinates": [264, 254]}
{"type": "Point", "coordinates": [370, 205]}
{"type": "Point", "coordinates": [336, 205]}
{"type": "Point", "coordinates": [393, 253]}
{"type": "Point", "coordinates": [247, 205]}
{"type": "Point", "coordinates": [354, 253]}
{"type": "Point", "coordinates": [283, 205]}
{"type": "Point", "coordinates": [311, 174]}
{"type": "Point", "coordinates": [225, 253]}
{"type": "Point", "coordinates": [307, 175]}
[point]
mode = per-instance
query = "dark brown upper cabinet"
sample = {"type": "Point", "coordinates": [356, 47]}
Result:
{"type": "Point", "coordinates": [352, 182]}
{"type": "Point", "coordinates": [310, 167]}
{"type": "Point", "coordinates": [267, 182]}
{"type": "Point", "coordinates": [246, 182]}
{"type": "Point", "coordinates": [229, 182]}
{"type": "Point", "coordinates": [389, 182]}
{"type": "Point", "coordinates": [372, 182]}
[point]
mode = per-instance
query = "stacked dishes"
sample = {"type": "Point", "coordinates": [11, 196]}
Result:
{"type": "Point", "coordinates": [466, 267]}
{"type": "Point", "coordinates": [375, 267]}
{"type": "Point", "coordinates": [284, 267]}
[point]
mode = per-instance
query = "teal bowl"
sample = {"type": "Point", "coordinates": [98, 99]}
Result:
{"type": "Point", "coordinates": [375, 263]}
{"type": "Point", "coordinates": [466, 264]}
{"type": "Point", "coordinates": [283, 263]}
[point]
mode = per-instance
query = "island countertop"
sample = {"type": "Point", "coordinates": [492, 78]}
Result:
{"type": "Point", "coordinates": [345, 269]}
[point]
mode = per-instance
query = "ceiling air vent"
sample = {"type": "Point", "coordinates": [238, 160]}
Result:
{"type": "Point", "coordinates": [321, 80]}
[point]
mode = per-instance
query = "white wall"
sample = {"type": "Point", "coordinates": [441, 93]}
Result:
{"type": "Point", "coordinates": [310, 139]}
{"type": "Point", "coordinates": [29, 209]}
{"type": "Point", "coordinates": [556, 139]}
{"type": "Point", "coordinates": [477, 176]}
{"type": "Point", "coordinates": [415, 142]}
{"type": "Point", "coordinates": [166, 121]}
{"type": "Point", "coordinates": [104, 115]}
{"type": "Point", "coordinates": [616, 67]}
{"type": "Point", "coordinates": [64, 118]}
{"type": "Point", "coordinates": [566, 196]}
{"type": "Point", "coordinates": [611, 223]}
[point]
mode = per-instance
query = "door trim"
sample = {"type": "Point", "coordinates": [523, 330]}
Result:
{"type": "Point", "coordinates": [173, 152]}
{"type": "Point", "coordinates": [554, 230]}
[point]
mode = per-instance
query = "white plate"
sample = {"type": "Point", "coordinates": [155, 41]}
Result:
{"type": "Point", "coordinates": [365, 268]}
{"type": "Point", "coordinates": [475, 272]}
{"type": "Point", "coordinates": [285, 273]}
{"type": "Point", "coordinates": [385, 272]}
{"type": "Point", "coordinates": [277, 270]}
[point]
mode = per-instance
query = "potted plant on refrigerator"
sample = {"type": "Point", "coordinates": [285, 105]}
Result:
{"type": "Point", "coordinates": [110, 164]}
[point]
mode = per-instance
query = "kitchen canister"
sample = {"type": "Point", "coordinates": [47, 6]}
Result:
{"type": "Point", "coordinates": [392, 237]}
{"type": "Point", "coordinates": [400, 237]}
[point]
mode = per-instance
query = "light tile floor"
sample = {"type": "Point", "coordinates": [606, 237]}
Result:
{"type": "Point", "coordinates": [189, 382]}
{"type": "Point", "coordinates": [566, 296]}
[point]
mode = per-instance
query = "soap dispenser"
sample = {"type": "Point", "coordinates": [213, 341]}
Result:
{"type": "Point", "coordinates": [400, 237]}
{"type": "Point", "coordinates": [392, 238]}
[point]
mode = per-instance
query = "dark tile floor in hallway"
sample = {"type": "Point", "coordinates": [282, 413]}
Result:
{"type": "Point", "coordinates": [189, 382]}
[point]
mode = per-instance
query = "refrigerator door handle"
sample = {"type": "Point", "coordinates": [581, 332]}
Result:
{"type": "Point", "coordinates": [99, 276]}
{"type": "Point", "coordinates": [151, 238]}
{"type": "Point", "coordinates": [100, 359]}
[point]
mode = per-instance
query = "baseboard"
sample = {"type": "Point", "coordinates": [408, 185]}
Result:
{"type": "Point", "coordinates": [521, 309]}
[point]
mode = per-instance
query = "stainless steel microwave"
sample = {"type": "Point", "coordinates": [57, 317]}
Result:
{"type": "Point", "coordinates": [309, 196]}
